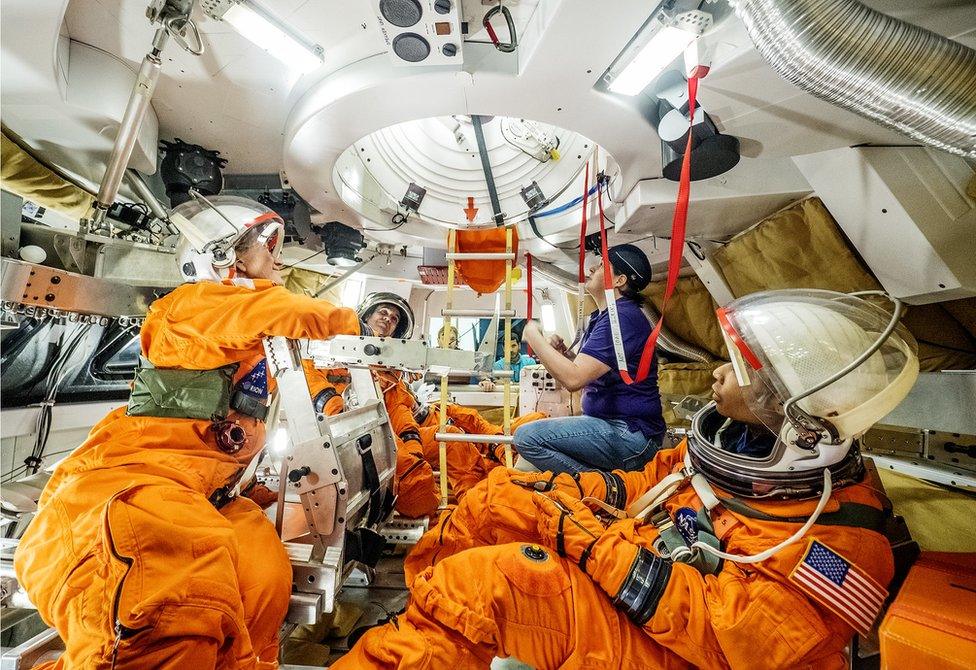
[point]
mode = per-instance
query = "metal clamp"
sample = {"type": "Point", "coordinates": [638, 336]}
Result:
{"type": "Point", "coordinates": [505, 47]}
{"type": "Point", "coordinates": [179, 34]}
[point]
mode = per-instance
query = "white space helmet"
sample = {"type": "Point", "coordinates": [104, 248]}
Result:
{"type": "Point", "coordinates": [211, 227]}
{"type": "Point", "coordinates": [818, 368]}
{"type": "Point", "coordinates": [404, 329]}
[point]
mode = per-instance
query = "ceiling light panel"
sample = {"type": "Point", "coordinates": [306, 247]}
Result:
{"type": "Point", "coordinates": [270, 32]}
{"type": "Point", "coordinates": [662, 41]}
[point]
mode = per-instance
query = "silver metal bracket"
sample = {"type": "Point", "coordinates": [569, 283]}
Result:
{"type": "Point", "coordinates": [414, 355]}
{"type": "Point", "coordinates": [403, 531]}
{"type": "Point", "coordinates": [325, 467]}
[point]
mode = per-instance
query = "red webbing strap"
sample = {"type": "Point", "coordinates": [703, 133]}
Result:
{"type": "Point", "coordinates": [604, 249]}
{"type": "Point", "coordinates": [582, 238]}
{"type": "Point", "coordinates": [528, 294]}
{"type": "Point", "coordinates": [491, 32]}
{"type": "Point", "coordinates": [678, 227]}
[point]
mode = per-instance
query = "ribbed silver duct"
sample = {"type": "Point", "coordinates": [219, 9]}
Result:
{"type": "Point", "coordinates": [671, 343]}
{"type": "Point", "coordinates": [895, 73]}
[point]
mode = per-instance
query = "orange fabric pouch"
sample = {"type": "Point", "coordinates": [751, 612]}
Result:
{"type": "Point", "coordinates": [932, 622]}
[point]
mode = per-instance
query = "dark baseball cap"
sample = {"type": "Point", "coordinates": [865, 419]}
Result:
{"type": "Point", "coordinates": [630, 261]}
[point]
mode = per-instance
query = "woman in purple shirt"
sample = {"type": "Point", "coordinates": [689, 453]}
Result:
{"type": "Point", "coordinates": [622, 426]}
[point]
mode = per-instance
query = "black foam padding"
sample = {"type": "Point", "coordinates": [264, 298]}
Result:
{"type": "Point", "coordinates": [401, 13]}
{"type": "Point", "coordinates": [712, 157]}
{"type": "Point", "coordinates": [411, 47]}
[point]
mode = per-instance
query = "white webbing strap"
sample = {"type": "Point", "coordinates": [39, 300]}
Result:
{"type": "Point", "coordinates": [615, 333]}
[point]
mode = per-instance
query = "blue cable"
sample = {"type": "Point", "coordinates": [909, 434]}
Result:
{"type": "Point", "coordinates": [569, 205]}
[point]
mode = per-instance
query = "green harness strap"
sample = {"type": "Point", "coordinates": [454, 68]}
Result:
{"type": "Point", "coordinates": [672, 544]}
{"type": "Point", "coordinates": [854, 515]}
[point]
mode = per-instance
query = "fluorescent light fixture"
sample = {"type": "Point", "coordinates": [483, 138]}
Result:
{"type": "Point", "coordinates": [548, 317]}
{"type": "Point", "coordinates": [666, 45]}
{"type": "Point", "coordinates": [352, 293]}
{"type": "Point", "coordinates": [279, 443]}
{"type": "Point", "coordinates": [672, 36]}
{"type": "Point", "coordinates": [274, 35]}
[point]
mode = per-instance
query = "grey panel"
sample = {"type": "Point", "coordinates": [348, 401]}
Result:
{"type": "Point", "coordinates": [944, 401]}
{"type": "Point", "coordinates": [10, 208]}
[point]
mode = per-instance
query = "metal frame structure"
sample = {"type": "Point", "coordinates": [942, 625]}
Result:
{"type": "Point", "coordinates": [324, 465]}
{"type": "Point", "coordinates": [326, 462]}
{"type": "Point", "coordinates": [39, 286]}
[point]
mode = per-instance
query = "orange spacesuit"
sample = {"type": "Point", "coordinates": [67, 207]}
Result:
{"type": "Point", "coordinates": [135, 555]}
{"type": "Point", "coordinates": [507, 596]}
{"type": "Point", "coordinates": [470, 421]}
{"type": "Point", "coordinates": [465, 466]}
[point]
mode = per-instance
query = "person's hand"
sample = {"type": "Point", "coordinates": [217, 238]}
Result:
{"type": "Point", "coordinates": [567, 525]}
{"type": "Point", "coordinates": [558, 344]}
{"type": "Point", "coordinates": [531, 329]}
{"type": "Point", "coordinates": [487, 385]}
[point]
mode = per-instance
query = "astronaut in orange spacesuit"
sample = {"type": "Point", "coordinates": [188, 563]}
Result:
{"type": "Point", "coordinates": [389, 315]}
{"type": "Point", "coordinates": [755, 543]}
{"type": "Point", "coordinates": [139, 555]}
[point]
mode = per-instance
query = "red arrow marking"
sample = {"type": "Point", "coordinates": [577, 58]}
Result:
{"type": "Point", "coordinates": [470, 210]}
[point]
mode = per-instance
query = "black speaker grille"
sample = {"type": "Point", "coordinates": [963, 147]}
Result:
{"type": "Point", "coordinates": [411, 47]}
{"type": "Point", "coordinates": [401, 13]}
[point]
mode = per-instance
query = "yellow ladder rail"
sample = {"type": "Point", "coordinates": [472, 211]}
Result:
{"type": "Point", "coordinates": [445, 343]}
{"type": "Point", "coordinates": [448, 312]}
{"type": "Point", "coordinates": [507, 366]}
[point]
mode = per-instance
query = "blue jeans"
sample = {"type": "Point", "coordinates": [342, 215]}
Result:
{"type": "Point", "coordinates": [578, 443]}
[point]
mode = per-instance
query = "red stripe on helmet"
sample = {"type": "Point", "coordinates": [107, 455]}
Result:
{"type": "Point", "coordinates": [740, 344]}
{"type": "Point", "coordinates": [261, 218]}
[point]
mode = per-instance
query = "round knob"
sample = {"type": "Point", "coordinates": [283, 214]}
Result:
{"type": "Point", "coordinates": [449, 50]}
{"type": "Point", "coordinates": [442, 6]}
{"type": "Point", "coordinates": [298, 473]}
{"type": "Point", "coordinates": [371, 350]}
{"type": "Point", "coordinates": [534, 552]}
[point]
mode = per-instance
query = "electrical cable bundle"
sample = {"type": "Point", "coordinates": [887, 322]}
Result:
{"type": "Point", "coordinates": [56, 376]}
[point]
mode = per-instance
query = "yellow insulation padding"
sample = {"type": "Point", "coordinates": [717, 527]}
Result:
{"type": "Point", "coordinates": [943, 342]}
{"type": "Point", "coordinates": [309, 282]}
{"type": "Point", "coordinates": [939, 518]}
{"type": "Point", "coordinates": [677, 380]}
{"type": "Point", "coordinates": [24, 176]}
{"type": "Point", "coordinates": [800, 246]}
{"type": "Point", "coordinates": [691, 314]}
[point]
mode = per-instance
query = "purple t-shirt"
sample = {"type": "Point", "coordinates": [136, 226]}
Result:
{"type": "Point", "coordinates": [608, 397]}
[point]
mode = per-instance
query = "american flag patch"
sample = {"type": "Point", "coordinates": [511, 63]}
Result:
{"type": "Point", "coordinates": [835, 582]}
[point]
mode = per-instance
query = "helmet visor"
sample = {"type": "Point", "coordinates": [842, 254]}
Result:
{"type": "Point", "coordinates": [271, 232]}
{"type": "Point", "coordinates": [224, 220]}
{"type": "Point", "coordinates": [784, 343]}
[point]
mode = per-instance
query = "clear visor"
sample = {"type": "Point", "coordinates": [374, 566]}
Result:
{"type": "Point", "coordinates": [221, 221]}
{"type": "Point", "coordinates": [785, 343]}
{"type": "Point", "coordinates": [271, 233]}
